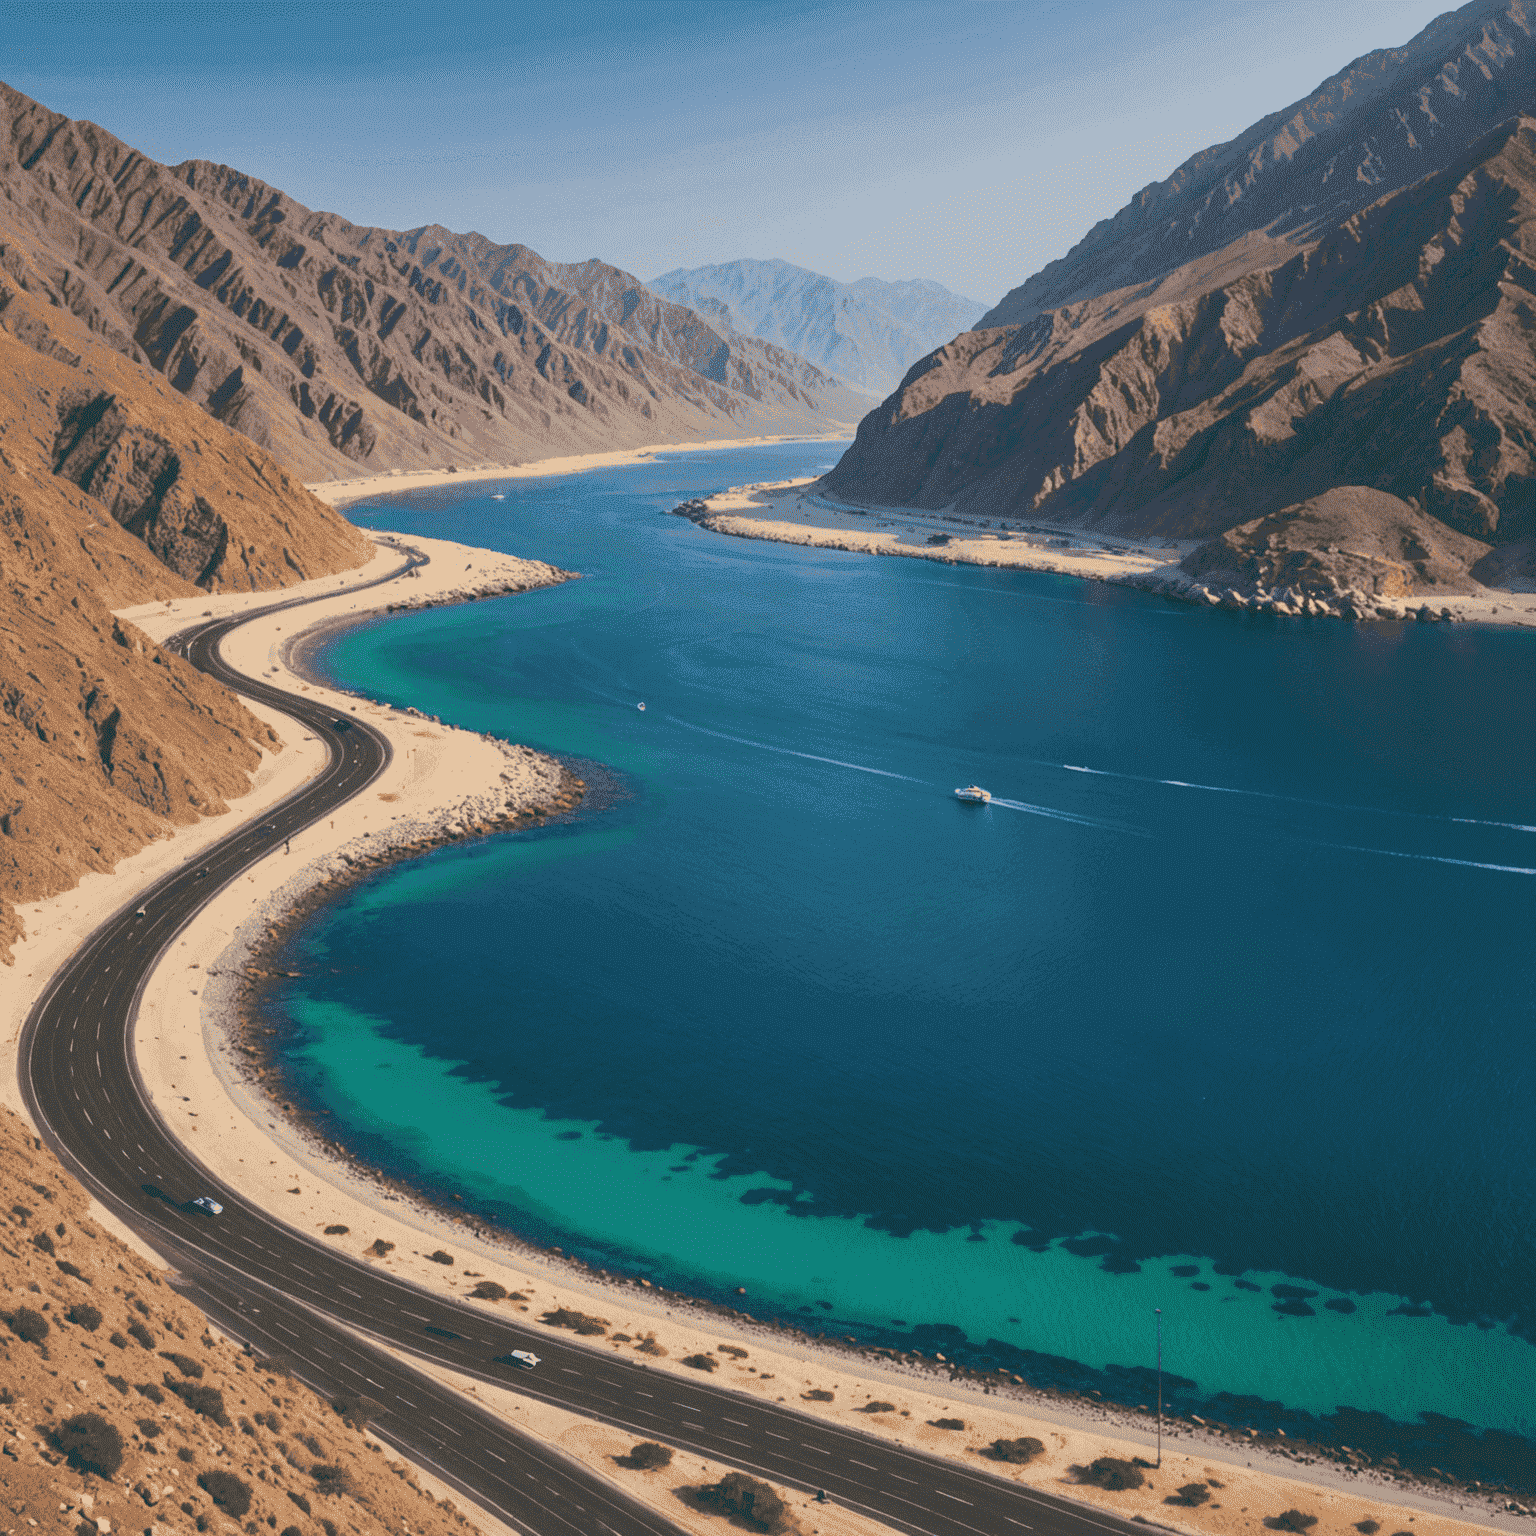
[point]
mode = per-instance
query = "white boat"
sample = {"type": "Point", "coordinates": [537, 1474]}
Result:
{"type": "Point", "coordinates": [974, 793]}
{"type": "Point", "coordinates": [640, 706]}
{"type": "Point", "coordinates": [497, 496]}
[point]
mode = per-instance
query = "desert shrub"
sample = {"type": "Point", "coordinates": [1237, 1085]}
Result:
{"type": "Point", "coordinates": [732, 1351]}
{"type": "Point", "coordinates": [1110, 1472]}
{"type": "Point", "coordinates": [646, 1455]}
{"type": "Point", "coordinates": [83, 1315]}
{"type": "Point", "coordinates": [7, 1396]}
{"type": "Point", "coordinates": [22, 1211]}
{"type": "Point", "coordinates": [817, 1395]}
{"type": "Point", "coordinates": [149, 1428]}
{"type": "Point", "coordinates": [43, 1241]}
{"type": "Point", "coordinates": [1368, 1527]}
{"type": "Point", "coordinates": [746, 1497]}
{"type": "Point", "coordinates": [517, 1296]}
{"type": "Point", "coordinates": [381, 1246]}
{"type": "Point", "coordinates": [66, 1268]}
{"type": "Point", "coordinates": [946, 1423]}
{"type": "Point", "coordinates": [649, 1346]}
{"type": "Point", "coordinates": [118, 1340]}
{"type": "Point", "coordinates": [290, 1530]}
{"type": "Point", "coordinates": [185, 1453]}
{"type": "Point", "coordinates": [1291, 1520]}
{"type": "Point", "coordinates": [202, 1522]}
{"type": "Point", "coordinates": [91, 1443]}
{"type": "Point", "coordinates": [315, 1448]}
{"type": "Point", "coordinates": [1189, 1495]}
{"type": "Point", "coordinates": [118, 1384]}
{"type": "Point", "coordinates": [337, 1230]}
{"type": "Point", "coordinates": [232, 1494]}
{"type": "Point", "coordinates": [488, 1290]}
{"type": "Point", "coordinates": [355, 1410]}
{"type": "Point", "coordinates": [151, 1391]}
{"type": "Point", "coordinates": [874, 1406]}
{"type": "Point", "coordinates": [183, 1363]}
{"type": "Point", "coordinates": [330, 1477]}
{"type": "Point", "coordinates": [28, 1326]}
{"type": "Point", "coordinates": [701, 1362]}
{"type": "Point", "coordinates": [300, 1500]}
{"type": "Point", "coordinates": [138, 1331]}
{"type": "Point", "coordinates": [208, 1401]}
{"type": "Point", "coordinates": [1021, 1452]}
{"type": "Point", "coordinates": [328, 1526]}
{"type": "Point", "coordinates": [577, 1322]}
{"type": "Point", "coordinates": [442, 1256]}
{"type": "Point", "coordinates": [140, 1305]}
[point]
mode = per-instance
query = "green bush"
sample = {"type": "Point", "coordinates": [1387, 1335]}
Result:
{"type": "Point", "coordinates": [946, 1423]}
{"type": "Point", "coordinates": [149, 1428]}
{"type": "Point", "coordinates": [28, 1326]}
{"type": "Point", "coordinates": [646, 1455]}
{"type": "Point", "coordinates": [1368, 1527]}
{"type": "Point", "coordinates": [66, 1268]}
{"type": "Point", "coordinates": [702, 1362]}
{"type": "Point", "coordinates": [232, 1494]}
{"type": "Point", "coordinates": [1110, 1472]}
{"type": "Point", "coordinates": [337, 1230]}
{"type": "Point", "coordinates": [488, 1290]}
{"type": "Point", "coordinates": [329, 1477]}
{"type": "Point", "coordinates": [442, 1256]}
{"type": "Point", "coordinates": [151, 1391]}
{"type": "Point", "coordinates": [300, 1500]}
{"type": "Point", "coordinates": [118, 1340]}
{"type": "Point", "coordinates": [83, 1315]}
{"type": "Point", "coordinates": [43, 1241]}
{"type": "Point", "coordinates": [750, 1500]}
{"type": "Point", "coordinates": [118, 1384]}
{"type": "Point", "coordinates": [874, 1406]}
{"type": "Point", "coordinates": [183, 1363]}
{"type": "Point", "coordinates": [91, 1443]}
{"type": "Point", "coordinates": [1021, 1452]}
{"type": "Point", "coordinates": [1189, 1495]}
{"type": "Point", "coordinates": [138, 1331]}
{"type": "Point", "coordinates": [1291, 1520]}
{"type": "Point", "coordinates": [185, 1453]}
{"type": "Point", "coordinates": [381, 1246]}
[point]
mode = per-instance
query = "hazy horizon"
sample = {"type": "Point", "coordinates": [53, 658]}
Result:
{"type": "Point", "coordinates": [968, 143]}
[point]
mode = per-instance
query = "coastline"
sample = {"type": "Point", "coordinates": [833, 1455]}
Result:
{"type": "Point", "coordinates": [792, 512]}
{"type": "Point", "coordinates": [343, 493]}
{"type": "Point", "coordinates": [451, 782]}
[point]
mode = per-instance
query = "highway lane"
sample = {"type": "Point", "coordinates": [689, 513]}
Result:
{"type": "Point", "coordinates": [281, 1291]}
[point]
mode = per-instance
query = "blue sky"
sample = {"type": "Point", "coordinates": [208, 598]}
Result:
{"type": "Point", "coordinates": [970, 141]}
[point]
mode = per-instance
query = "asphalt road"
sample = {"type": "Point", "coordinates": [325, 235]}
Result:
{"type": "Point", "coordinates": [285, 1294]}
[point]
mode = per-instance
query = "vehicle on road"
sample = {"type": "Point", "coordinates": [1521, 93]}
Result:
{"type": "Point", "coordinates": [139, 912]}
{"type": "Point", "coordinates": [202, 874]}
{"type": "Point", "coordinates": [341, 725]}
{"type": "Point", "coordinates": [521, 1358]}
{"type": "Point", "coordinates": [207, 1205]}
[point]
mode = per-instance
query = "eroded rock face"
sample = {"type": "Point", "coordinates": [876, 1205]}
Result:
{"type": "Point", "coordinates": [136, 473]}
{"type": "Point", "coordinates": [1351, 541]}
{"type": "Point", "coordinates": [1397, 353]}
{"type": "Point", "coordinates": [334, 345]}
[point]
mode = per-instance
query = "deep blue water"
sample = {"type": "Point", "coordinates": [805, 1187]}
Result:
{"type": "Point", "coordinates": [1229, 988]}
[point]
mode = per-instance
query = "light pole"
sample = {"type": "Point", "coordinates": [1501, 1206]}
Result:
{"type": "Point", "coordinates": [1159, 1311]}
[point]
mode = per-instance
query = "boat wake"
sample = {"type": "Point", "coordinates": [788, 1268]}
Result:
{"type": "Point", "coordinates": [1432, 858]}
{"type": "Point", "coordinates": [1072, 816]}
{"type": "Point", "coordinates": [1327, 805]}
{"type": "Point", "coordinates": [810, 757]}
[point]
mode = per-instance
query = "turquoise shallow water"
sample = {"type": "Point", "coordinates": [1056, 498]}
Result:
{"type": "Point", "coordinates": [1227, 990]}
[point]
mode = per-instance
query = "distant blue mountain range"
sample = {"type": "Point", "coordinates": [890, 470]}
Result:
{"type": "Point", "coordinates": [868, 333]}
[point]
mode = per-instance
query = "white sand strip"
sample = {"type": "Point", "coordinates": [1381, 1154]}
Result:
{"type": "Point", "coordinates": [341, 493]}
{"type": "Point", "coordinates": [789, 512]}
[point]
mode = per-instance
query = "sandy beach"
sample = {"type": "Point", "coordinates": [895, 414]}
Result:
{"type": "Point", "coordinates": [342, 493]}
{"type": "Point", "coordinates": [792, 512]}
{"type": "Point", "coordinates": [442, 784]}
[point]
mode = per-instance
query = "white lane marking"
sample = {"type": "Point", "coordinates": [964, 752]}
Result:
{"type": "Point", "coordinates": [741, 1422]}
{"type": "Point", "coordinates": [489, 1452]}
{"type": "Point", "coordinates": [1019, 1523]}
{"type": "Point", "coordinates": [449, 1427]}
{"type": "Point", "coordinates": [863, 1464]}
{"type": "Point", "coordinates": [955, 1496]}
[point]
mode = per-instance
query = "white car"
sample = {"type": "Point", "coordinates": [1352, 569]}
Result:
{"type": "Point", "coordinates": [521, 1357]}
{"type": "Point", "coordinates": [208, 1205]}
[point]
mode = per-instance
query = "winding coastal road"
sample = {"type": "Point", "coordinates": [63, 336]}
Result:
{"type": "Point", "coordinates": [328, 1315]}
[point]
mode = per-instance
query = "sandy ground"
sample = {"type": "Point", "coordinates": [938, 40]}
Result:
{"type": "Point", "coordinates": [788, 513]}
{"type": "Point", "coordinates": [444, 779]}
{"type": "Point", "coordinates": [340, 493]}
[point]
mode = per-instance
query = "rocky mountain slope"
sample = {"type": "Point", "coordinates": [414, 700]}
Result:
{"type": "Point", "coordinates": [868, 333]}
{"type": "Point", "coordinates": [120, 1411]}
{"type": "Point", "coordinates": [115, 491]}
{"type": "Point", "coordinates": [333, 345]}
{"type": "Point", "coordinates": [1388, 119]}
{"type": "Point", "coordinates": [1395, 353]}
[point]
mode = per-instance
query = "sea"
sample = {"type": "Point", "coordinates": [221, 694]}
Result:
{"type": "Point", "coordinates": [1217, 1019]}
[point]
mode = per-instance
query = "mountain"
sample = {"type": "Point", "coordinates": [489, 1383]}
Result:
{"type": "Point", "coordinates": [114, 491]}
{"type": "Point", "coordinates": [334, 344]}
{"type": "Point", "coordinates": [1390, 118]}
{"type": "Point", "coordinates": [1393, 350]}
{"type": "Point", "coordinates": [867, 333]}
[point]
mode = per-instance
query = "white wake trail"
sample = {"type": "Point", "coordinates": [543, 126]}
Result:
{"type": "Point", "coordinates": [810, 757]}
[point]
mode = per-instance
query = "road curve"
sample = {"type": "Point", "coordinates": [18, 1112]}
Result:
{"type": "Point", "coordinates": [327, 1314]}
